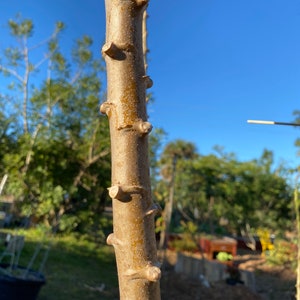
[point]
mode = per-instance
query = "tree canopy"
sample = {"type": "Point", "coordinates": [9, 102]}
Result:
{"type": "Point", "coordinates": [222, 194]}
{"type": "Point", "coordinates": [54, 142]}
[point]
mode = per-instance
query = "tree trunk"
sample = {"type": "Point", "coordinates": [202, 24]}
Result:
{"type": "Point", "coordinates": [167, 214]}
{"type": "Point", "coordinates": [211, 204]}
{"type": "Point", "coordinates": [133, 210]}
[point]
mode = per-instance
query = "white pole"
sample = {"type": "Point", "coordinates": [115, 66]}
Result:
{"type": "Point", "coordinates": [3, 183]}
{"type": "Point", "coordinates": [264, 122]}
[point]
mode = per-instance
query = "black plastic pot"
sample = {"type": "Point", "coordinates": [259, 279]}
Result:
{"type": "Point", "coordinates": [16, 288]}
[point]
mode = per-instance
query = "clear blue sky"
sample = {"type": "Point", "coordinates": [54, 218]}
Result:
{"type": "Point", "coordinates": [214, 64]}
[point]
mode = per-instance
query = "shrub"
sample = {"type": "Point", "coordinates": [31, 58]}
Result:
{"type": "Point", "coordinates": [283, 254]}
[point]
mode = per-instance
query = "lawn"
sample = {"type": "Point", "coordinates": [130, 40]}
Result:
{"type": "Point", "coordinates": [76, 268]}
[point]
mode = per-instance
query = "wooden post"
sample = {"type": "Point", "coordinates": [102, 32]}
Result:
{"type": "Point", "coordinates": [133, 236]}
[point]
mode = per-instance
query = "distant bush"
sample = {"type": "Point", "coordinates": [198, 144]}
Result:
{"type": "Point", "coordinates": [187, 241]}
{"type": "Point", "coordinates": [283, 254]}
{"type": "Point", "coordinates": [184, 243]}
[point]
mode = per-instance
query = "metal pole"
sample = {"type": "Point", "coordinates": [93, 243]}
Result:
{"type": "Point", "coordinates": [271, 123]}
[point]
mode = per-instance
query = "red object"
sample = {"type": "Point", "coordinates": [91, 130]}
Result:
{"type": "Point", "coordinates": [211, 247]}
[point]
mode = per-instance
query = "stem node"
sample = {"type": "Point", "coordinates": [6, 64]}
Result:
{"type": "Point", "coordinates": [123, 193]}
{"type": "Point", "coordinates": [112, 240]}
{"type": "Point", "coordinates": [142, 2]}
{"type": "Point", "coordinates": [148, 81]}
{"type": "Point", "coordinates": [150, 272]}
{"type": "Point", "coordinates": [105, 108]}
{"type": "Point", "coordinates": [113, 51]}
{"type": "Point", "coordinates": [154, 209]}
{"type": "Point", "coordinates": [143, 127]}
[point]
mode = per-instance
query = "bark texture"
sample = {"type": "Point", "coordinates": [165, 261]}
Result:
{"type": "Point", "coordinates": [133, 234]}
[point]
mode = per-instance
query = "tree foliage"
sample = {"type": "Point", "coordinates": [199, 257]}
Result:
{"type": "Point", "coordinates": [222, 194]}
{"type": "Point", "coordinates": [54, 142]}
{"type": "Point", "coordinates": [55, 148]}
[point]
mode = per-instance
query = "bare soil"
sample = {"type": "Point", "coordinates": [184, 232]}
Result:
{"type": "Point", "coordinates": [272, 282]}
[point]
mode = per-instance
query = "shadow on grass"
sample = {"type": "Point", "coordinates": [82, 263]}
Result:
{"type": "Point", "coordinates": [75, 269]}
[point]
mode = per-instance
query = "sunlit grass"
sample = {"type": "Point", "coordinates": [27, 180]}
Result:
{"type": "Point", "coordinates": [76, 268]}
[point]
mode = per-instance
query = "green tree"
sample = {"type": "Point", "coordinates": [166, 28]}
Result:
{"type": "Point", "coordinates": [59, 165]}
{"type": "Point", "coordinates": [171, 155]}
{"type": "Point", "coordinates": [214, 190]}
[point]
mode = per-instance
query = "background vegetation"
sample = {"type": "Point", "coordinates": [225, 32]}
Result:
{"type": "Point", "coordinates": [55, 149]}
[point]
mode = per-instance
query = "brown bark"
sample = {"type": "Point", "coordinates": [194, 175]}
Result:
{"type": "Point", "coordinates": [133, 210]}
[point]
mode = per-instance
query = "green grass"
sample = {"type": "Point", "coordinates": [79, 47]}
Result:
{"type": "Point", "coordinates": [74, 269]}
